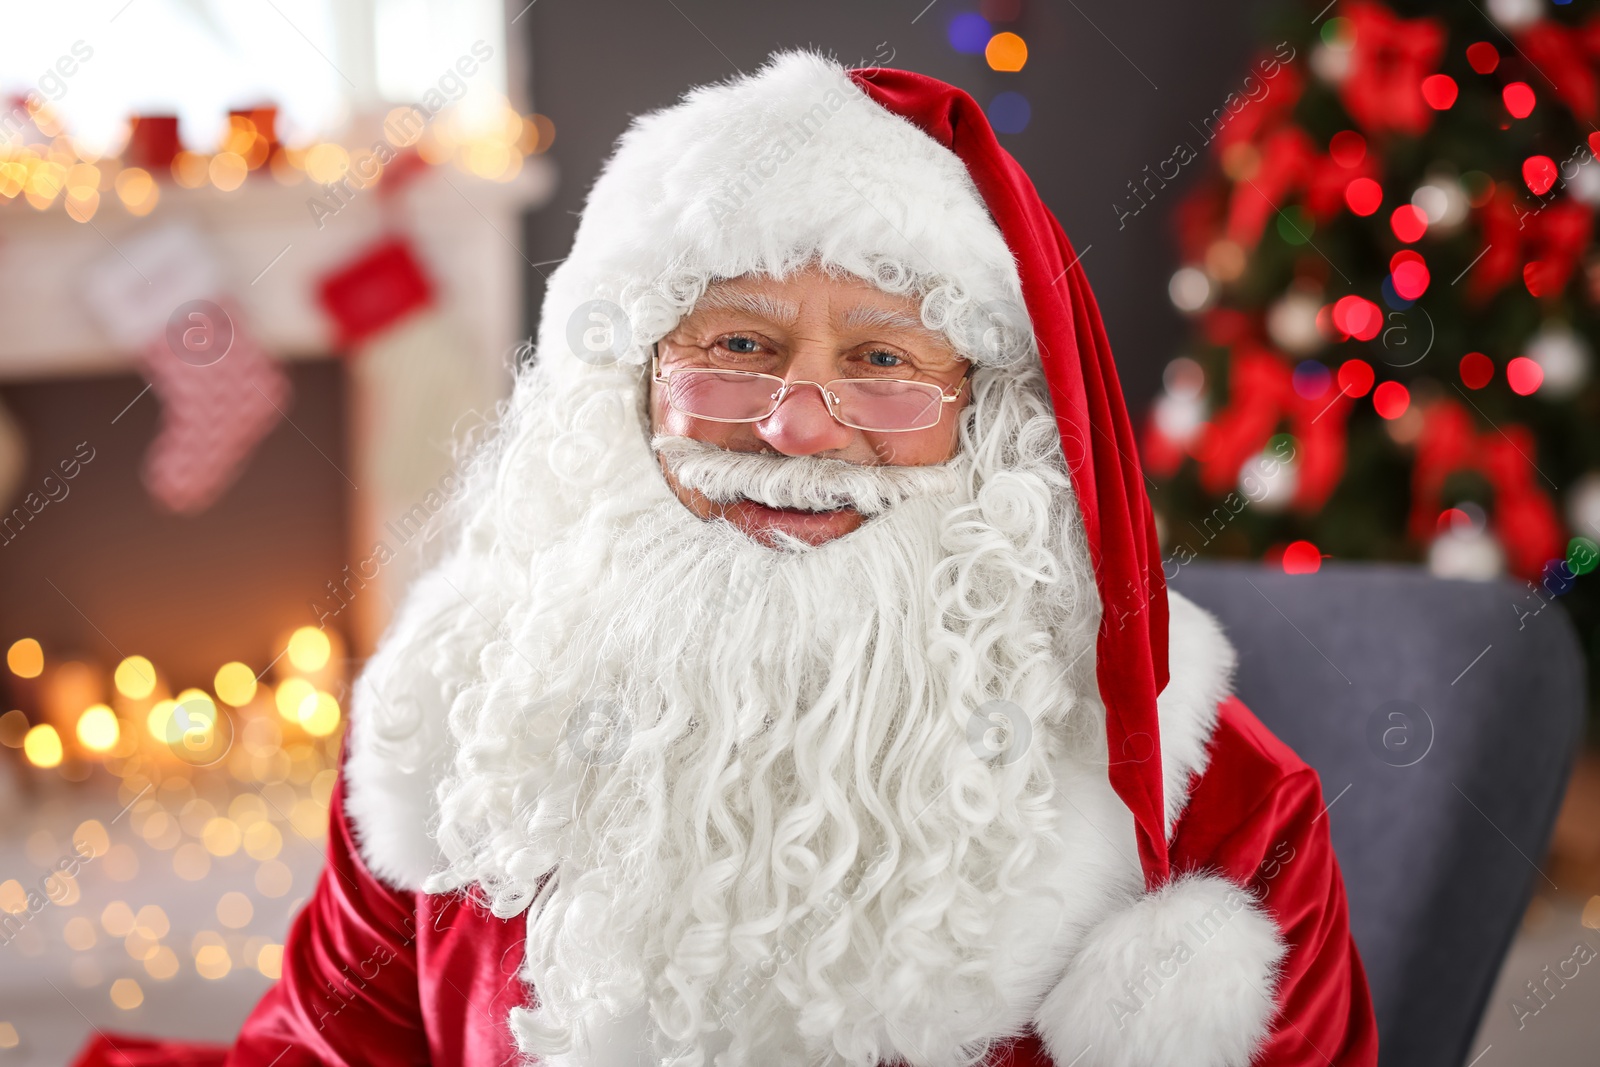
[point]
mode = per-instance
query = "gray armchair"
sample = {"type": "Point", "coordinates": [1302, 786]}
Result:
{"type": "Point", "coordinates": [1443, 718]}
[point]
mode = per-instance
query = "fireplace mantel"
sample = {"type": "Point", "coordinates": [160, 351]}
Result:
{"type": "Point", "coordinates": [272, 253]}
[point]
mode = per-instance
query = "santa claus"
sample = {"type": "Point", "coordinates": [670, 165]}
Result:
{"type": "Point", "coordinates": [802, 686]}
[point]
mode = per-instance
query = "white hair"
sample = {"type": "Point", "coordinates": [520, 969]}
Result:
{"type": "Point", "coordinates": [693, 758]}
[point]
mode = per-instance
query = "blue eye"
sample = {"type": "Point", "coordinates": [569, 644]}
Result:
{"type": "Point", "coordinates": [738, 345]}
{"type": "Point", "coordinates": [874, 359]}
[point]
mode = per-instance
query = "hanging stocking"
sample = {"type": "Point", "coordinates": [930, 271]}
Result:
{"type": "Point", "coordinates": [220, 392]}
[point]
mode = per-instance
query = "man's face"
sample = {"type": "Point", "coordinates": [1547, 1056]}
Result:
{"type": "Point", "coordinates": [809, 327]}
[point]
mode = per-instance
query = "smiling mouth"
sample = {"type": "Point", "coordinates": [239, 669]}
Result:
{"type": "Point", "coordinates": [796, 511]}
{"type": "Point", "coordinates": [762, 521]}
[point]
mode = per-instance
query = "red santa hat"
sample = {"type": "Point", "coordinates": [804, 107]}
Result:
{"type": "Point", "coordinates": [898, 178]}
{"type": "Point", "coordinates": [1096, 436]}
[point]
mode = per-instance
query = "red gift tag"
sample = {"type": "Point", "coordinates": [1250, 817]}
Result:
{"type": "Point", "coordinates": [376, 291]}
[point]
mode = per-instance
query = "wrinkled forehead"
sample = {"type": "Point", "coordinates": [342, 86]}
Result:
{"type": "Point", "coordinates": [815, 297]}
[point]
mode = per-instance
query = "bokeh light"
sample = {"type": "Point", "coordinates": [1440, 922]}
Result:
{"type": "Point", "coordinates": [1391, 399]}
{"type": "Point", "coordinates": [1363, 196]}
{"type": "Point", "coordinates": [1357, 317]}
{"type": "Point", "coordinates": [1409, 272]}
{"type": "Point", "coordinates": [235, 684]}
{"type": "Point", "coordinates": [1519, 99]}
{"type": "Point", "coordinates": [126, 994]}
{"type": "Point", "coordinates": [158, 720]}
{"type": "Point", "coordinates": [98, 729]}
{"type": "Point", "coordinates": [968, 33]}
{"type": "Point", "coordinates": [1006, 52]}
{"type": "Point", "coordinates": [269, 961]}
{"type": "Point", "coordinates": [309, 649]}
{"type": "Point", "coordinates": [1539, 174]}
{"type": "Point", "coordinates": [234, 910]}
{"type": "Point", "coordinates": [1524, 376]}
{"type": "Point", "coordinates": [211, 961]}
{"type": "Point", "coordinates": [228, 171]}
{"type": "Point", "coordinates": [1302, 557]}
{"type": "Point", "coordinates": [1483, 57]}
{"type": "Point", "coordinates": [1409, 223]}
{"type": "Point", "coordinates": [1347, 148]}
{"type": "Point", "coordinates": [1477, 370]}
{"type": "Point", "coordinates": [25, 658]}
{"type": "Point", "coordinates": [135, 677]}
{"type": "Point", "coordinates": [290, 695]}
{"type": "Point", "coordinates": [42, 746]}
{"type": "Point", "coordinates": [1009, 112]}
{"type": "Point", "coordinates": [319, 715]}
{"type": "Point", "coordinates": [1440, 91]}
{"type": "Point", "coordinates": [1355, 377]}
{"type": "Point", "coordinates": [327, 163]}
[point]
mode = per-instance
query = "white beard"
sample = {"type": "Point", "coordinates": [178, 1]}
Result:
{"type": "Point", "coordinates": [760, 775]}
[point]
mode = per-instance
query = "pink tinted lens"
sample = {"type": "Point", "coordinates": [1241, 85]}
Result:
{"type": "Point", "coordinates": [887, 405]}
{"type": "Point", "coordinates": [722, 394]}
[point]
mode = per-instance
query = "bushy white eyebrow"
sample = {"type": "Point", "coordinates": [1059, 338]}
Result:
{"type": "Point", "coordinates": [867, 317]}
{"type": "Point", "coordinates": [760, 305]}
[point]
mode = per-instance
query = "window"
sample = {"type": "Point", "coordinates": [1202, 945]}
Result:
{"type": "Point", "coordinates": [319, 61]}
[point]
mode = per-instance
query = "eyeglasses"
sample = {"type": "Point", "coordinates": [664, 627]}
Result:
{"type": "Point", "coordinates": [877, 405]}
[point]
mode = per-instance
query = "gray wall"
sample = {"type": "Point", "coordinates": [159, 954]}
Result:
{"type": "Point", "coordinates": [1114, 86]}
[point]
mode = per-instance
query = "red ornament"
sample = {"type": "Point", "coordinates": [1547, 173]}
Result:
{"type": "Point", "coordinates": [1440, 91]}
{"type": "Point", "coordinates": [1347, 148]}
{"type": "Point", "coordinates": [1261, 397]}
{"type": "Point", "coordinates": [1302, 557]}
{"type": "Point", "coordinates": [1524, 376]}
{"type": "Point", "coordinates": [1364, 196]}
{"type": "Point", "coordinates": [1555, 237]}
{"type": "Point", "coordinates": [1519, 99]}
{"type": "Point", "coordinates": [1391, 399]}
{"type": "Point", "coordinates": [1594, 143]}
{"type": "Point", "coordinates": [1409, 223]}
{"type": "Point", "coordinates": [1285, 156]}
{"type": "Point", "coordinates": [1477, 370]}
{"type": "Point", "coordinates": [1358, 317]}
{"type": "Point", "coordinates": [1539, 172]}
{"type": "Point", "coordinates": [1483, 57]}
{"type": "Point", "coordinates": [1290, 163]}
{"type": "Point", "coordinates": [1355, 377]}
{"type": "Point", "coordinates": [1525, 520]}
{"type": "Point", "coordinates": [1391, 57]}
{"type": "Point", "coordinates": [1562, 55]}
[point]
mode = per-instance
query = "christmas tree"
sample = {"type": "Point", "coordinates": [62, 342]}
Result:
{"type": "Point", "coordinates": [1390, 271]}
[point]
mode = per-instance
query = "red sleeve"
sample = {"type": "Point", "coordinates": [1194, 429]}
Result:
{"type": "Point", "coordinates": [1276, 842]}
{"type": "Point", "coordinates": [349, 993]}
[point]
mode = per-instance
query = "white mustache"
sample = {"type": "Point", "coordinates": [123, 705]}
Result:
{"type": "Point", "coordinates": [806, 483]}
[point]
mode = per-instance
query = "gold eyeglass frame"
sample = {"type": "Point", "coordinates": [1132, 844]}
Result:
{"type": "Point", "coordinates": [829, 398]}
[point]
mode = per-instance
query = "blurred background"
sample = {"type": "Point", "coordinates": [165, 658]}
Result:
{"type": "Point", "coordinates": [1344, 252]}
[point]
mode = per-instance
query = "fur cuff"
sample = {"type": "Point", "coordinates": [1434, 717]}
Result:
{"type": "Point", "coordinates": [1201, 661]}
{"type": "Point", "coordinates": [1183, 978]}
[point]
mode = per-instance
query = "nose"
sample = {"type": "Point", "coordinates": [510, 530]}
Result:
{"type": "Point", "coordinates": [801, 425]}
